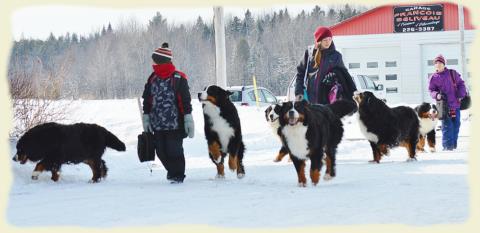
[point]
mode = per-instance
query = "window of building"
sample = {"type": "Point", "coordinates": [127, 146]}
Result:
{"type": "Point", "coordinates": [430, 62]}
{"type": "Point", "coordinates": [391, 77]}
{"type": "Point", "coordinates": [452, 61]}
{"type": "Point", "coordinates": [372, 64]}
{"type": "Point", "coordinates": [373, 77]}
{"type": "Point", "coordinates": [390, 64]}
{"type": "Point", "coordinates": [392, 90]}
{"type": "Point", "coordinates": [353, 65]}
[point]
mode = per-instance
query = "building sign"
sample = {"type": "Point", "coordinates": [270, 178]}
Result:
{"type": "Point", "coordinates": [425, 18]}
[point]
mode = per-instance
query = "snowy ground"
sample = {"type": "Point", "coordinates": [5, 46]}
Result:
{"type": "Point", "coordinates": [433, 190]}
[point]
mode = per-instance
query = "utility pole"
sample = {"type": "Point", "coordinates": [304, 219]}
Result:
{"type": "Point", "coordinates": [463, 57]}
{"type": "Point", "coordinates": [220, 51]}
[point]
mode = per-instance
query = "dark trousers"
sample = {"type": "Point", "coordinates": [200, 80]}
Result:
{"type": "Point", "coordinates": [450, 130]}
{"type": "Point", "coordinates": [169, 148]}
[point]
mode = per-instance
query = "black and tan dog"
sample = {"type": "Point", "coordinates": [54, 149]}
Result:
{"type": "Point", "coordinates": [307, 131]}
{"type": "Point", "coordinates": [222, 130]}
{"type": "Point", "coordinates": [386, 127]}
{"type": "Point", "coordinates": [272, 116]}
{"type": "Point", "coordinates": [428, 115]}
{"type": "Point", "coordinates": [55, 144]}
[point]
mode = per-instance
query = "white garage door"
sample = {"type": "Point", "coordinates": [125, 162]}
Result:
{"type": "Point", "coordinates": [381, 64]}
{"type": "Point", "coordinates": [451, 53]}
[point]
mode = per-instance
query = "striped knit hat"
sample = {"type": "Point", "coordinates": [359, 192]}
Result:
{"type": "Point", "coordinates": [162, 55]}
{"type": "Point", "coordinates": [439, 58]}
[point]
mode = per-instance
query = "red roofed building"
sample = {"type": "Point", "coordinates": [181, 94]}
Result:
{"type": "Point", "coordinates": [396, 44]}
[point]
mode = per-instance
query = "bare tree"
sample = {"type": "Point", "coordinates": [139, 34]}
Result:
{"type": "Point", "coordinates": [34, 94]}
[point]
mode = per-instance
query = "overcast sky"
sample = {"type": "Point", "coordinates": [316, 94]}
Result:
{"type": "Point", "coordinates": [38, 22]}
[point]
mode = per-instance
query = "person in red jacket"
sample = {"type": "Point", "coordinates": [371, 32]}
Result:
{"type": "Point", "coordinates": [167, 112]}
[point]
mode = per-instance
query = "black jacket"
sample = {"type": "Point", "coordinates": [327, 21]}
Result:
{"type": "Point", "coordinates": [316, 90]}
{"type": "Point", "coordinates": [182, 92]}
{"type": "Point", "coordinates": [346, 81]}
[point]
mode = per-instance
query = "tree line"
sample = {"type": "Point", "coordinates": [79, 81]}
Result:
{"type": "Point", "coordinates": [115, 62]}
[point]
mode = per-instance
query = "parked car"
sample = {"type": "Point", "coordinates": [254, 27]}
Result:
{"type": "Point", "coordinates": [362, 82]}
{"type": "Point", "coordinates": [365, 83]}
{"type": "Point", "coordinates": [245, 96]}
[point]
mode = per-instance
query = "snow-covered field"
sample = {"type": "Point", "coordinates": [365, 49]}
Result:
{"type": "Point", "coordinates": [433, 190]}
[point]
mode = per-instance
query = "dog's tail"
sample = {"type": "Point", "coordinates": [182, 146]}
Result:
{"type": "Point", "coordinates": [342, 108]}
{"type": "Point", "coordinates": [113, 142]}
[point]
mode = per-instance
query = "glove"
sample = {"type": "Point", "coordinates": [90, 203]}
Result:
{"type": "Point", "coordinates": [452, 113]}
{"type": "Point", "coordinates": [329, 78]}
{"type": "Point", "coordinates": [439, 96]}
{"type": "Point", "coordinates": [189, 125]}
{"type": "Point", "coordinates": [299, 97]}
{"type": "Point", "coordinates": [146, 123]}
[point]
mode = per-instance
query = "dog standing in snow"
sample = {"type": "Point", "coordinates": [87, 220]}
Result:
{"type": "Point", "coordinates": [428, 115]}
{"type": "Point", "coordinates": [222, 130]}
{"type": "Point", "coordinates": [272, 115]}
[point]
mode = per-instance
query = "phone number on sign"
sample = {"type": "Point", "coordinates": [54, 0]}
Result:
{"type": "Point", "coordinates": [418, 29]}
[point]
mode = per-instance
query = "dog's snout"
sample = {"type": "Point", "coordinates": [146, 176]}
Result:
{"type": "Point", "coordinates": [291, 114]}
{"type": "Point", "coordinates": [200, 95]}
{"type": "Point", "coordinates": [15, 158]}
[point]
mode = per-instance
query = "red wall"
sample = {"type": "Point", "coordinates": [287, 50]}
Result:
{"type": "Point", "coordinates": [380, 20]}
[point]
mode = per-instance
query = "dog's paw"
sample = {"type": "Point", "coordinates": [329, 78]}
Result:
{"type": "Point", "coordinates": [433, 150]}
{"type": "Point", "coordinates": [327, 177]}
{"type": "Point", "coordinates": [220, 177]}
{"type": "Point", "coordinates": [240, 175]}
{"type": "Point", "coordinates": [301, 184]}
{"type": "Point", "coordinates": [277, 160]}
{"type": "Point", "coordinates": [373, 161]}
{"type": "Point", "coordinates": [411, 159]}
{"type": "Point", "coordinates": [35, 175]}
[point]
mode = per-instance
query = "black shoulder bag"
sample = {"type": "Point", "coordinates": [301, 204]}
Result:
{"type": "Point", "coordinates": [466, 101]}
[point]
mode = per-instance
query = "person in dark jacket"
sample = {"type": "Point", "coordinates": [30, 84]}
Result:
{"type": "Point", "coordinates": [447, 84]}
{"type": "Point", "coordinates": [167, 112]}
{"type": "Point", "coordinates": [322, 77]}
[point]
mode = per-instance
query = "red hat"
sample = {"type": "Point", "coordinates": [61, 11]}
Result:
{"type": "Point", "coordinates": [162, 55]}
{"type": "Point", "coordinates": [321, 33]}
{"type": "Point", "coordinates": [439, 58]}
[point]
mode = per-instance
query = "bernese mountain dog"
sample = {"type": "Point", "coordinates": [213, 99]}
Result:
{"type": "Point", "coordinates": [272, 114]}
{"type": "Point", "coordinates": [307, 131]}
{"type": "Point", "coordinates": [386, 127]}
{"type": "Point", "coordinates": [54, 144]}
{"type": "Point", "coordinates": [222, 130]}
{"type": "Point", "coordinates": [428, 115]}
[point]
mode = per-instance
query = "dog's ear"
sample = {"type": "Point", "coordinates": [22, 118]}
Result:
{"type": "Point", "coordinates": [305, 102]}
{"type": "Point", "coordinates": [277, 108]}
{"type": "Point", "coordinates": [269, 109]}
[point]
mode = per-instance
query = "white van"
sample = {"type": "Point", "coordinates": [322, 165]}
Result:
{"type": "Point", "coordinates": [362, 82]}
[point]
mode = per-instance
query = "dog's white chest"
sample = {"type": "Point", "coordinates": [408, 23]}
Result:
{"type": "Point", "coordinates": [296, 140]}
{"type": "Point", "coordinates": [368, 135]}
{"type": "Point", "coordinates": [427, 125]}
{"type": "Point", "coordinates": [219, 125]}
{"type": "Point", "coordinates": [275, 125]}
